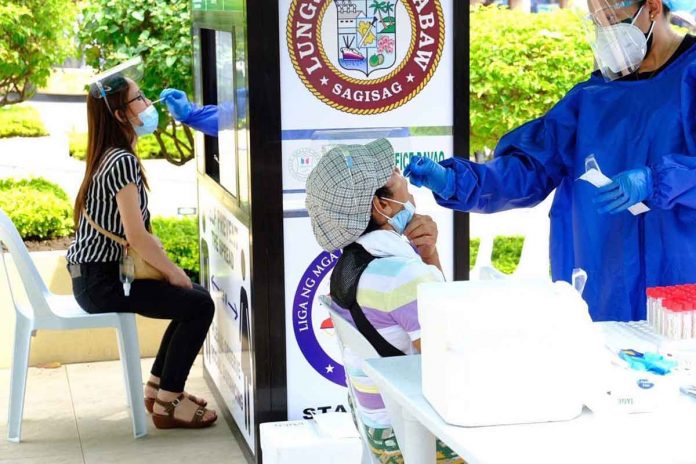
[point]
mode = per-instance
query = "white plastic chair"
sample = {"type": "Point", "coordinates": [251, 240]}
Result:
{"type": "Point", "coordinates": [350, 337]}
{"type": "Point", "coordinates": [47, 311]}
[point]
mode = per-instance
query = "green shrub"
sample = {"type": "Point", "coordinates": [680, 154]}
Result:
{"type": "Point", "coordinates": [77, 145]}
{"type": "Point", "coordinates": [506, 253]}
{"type": "Point", "coordinates": [148, 147]}
{"type": "Point", "coordinates": [39, 209]}
{"type": "Point", "coordinates": [180, 239]}
{"type": "Point", "coordinates": [21, 121]}
{"type": "Point", "coordinates": [520, 65]}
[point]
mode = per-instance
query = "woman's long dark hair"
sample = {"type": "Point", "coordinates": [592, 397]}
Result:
{"type": "Point", "coordinates": [104, 131]}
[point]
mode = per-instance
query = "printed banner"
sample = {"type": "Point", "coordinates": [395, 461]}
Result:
{"type": "Point", "coordinates": [229, 348]}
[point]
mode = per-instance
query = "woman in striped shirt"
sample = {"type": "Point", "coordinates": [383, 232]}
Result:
{"type": "Point", "coordinates": [114, 196]}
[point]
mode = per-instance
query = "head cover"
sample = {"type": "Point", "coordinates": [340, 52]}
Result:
{"type": "Point", "coordinates": [340, 191]}
{"type": "Point", "coordinates": [682, 13]}
{"type": "Point", "coordinates": [680, 5]}
{"type": "Point", "coordinates": [619, 46]}
{"type": "Point", "coordinates": [115, 79]}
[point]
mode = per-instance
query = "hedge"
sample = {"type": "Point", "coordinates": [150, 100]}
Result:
{"type": "Point", "coordinates": [39, 209]}
{"type": "Point", "coordinates": [180, 239]}
{"type": "Point", "coordinates": [521, 64]}
{"type": "Point", "coordinates": [148, 147]}
{"type": "Point", "coordinates": [21, 121]}
{"type": "Point", "coordinates": [506, 252]}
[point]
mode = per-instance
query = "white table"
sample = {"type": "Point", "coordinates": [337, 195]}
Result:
{"type": "Point", "coordinates": [656, 438]}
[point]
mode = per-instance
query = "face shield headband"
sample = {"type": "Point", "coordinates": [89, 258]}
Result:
{"type": "Point", "coordinates": [115, 79]}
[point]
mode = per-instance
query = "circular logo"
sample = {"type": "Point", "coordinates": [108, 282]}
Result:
{"type": "Point", "coordinates": [365, 56]}
{"type": "Point", "coordinates": [312, 325]}
{"type": "Point", "coordinates": [302, 161]}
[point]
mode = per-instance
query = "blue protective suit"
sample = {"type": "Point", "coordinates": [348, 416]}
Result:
{"type": "Point", "coordinates": [625, 124]}
{"type": "Point", "coordinates": [210, 118]}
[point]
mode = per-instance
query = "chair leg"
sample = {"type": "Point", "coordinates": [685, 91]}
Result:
{"type": "Point", "coordinates": [18, 378]}
{"type": "Point", "coordinates": [130, 358]}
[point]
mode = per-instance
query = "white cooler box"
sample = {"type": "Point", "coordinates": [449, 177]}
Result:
{"type": "Point", "coordinates": [507, 351]}
{"type": "Point", "coordinates": [330, 439]}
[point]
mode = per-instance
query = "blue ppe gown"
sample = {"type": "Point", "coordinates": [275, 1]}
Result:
{"type": "Point", "coordinates": [209, 119]}
{"type": "Point", "coordinates": [626, 125]}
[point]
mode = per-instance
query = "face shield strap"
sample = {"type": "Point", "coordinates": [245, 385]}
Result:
{"type": "Point", "coordinates": [115, 79]}
{"type": "Point", "coordinates": [102, 93]}
{"type": "Point", "coordinates": [621, 46]}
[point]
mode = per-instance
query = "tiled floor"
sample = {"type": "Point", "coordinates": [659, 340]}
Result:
{"type": "Point", "coordinates": [78, 414]}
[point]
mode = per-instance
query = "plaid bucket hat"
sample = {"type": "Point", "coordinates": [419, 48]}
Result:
{"type": "Point", "coordinates": [340, 190]}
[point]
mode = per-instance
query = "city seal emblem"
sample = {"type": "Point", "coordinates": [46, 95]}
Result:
{"type": "Point", "coordinates": [365, 56]}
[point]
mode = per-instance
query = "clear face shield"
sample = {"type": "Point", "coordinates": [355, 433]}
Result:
{"type": "Point", "coordinates": [115, 79]}
{"type": "Point", "coordinates": [619, 46]}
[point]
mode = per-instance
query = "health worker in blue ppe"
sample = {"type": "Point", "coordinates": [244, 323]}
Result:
{"type": "Point", "coordinates": [207, 118]}
{"type": "Point", "coordinates": [637, 115]}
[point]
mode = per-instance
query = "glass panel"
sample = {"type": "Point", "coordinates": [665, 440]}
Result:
{"type": "Point", "coordinates": [227, 137]}
{"type": "Point", "coordinates": [198, 138]}
{"type": "Point", "coordinates": [242, 106]}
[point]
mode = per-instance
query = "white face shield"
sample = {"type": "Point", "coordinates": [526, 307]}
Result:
{"type": "Point", "coordinates": [114, 79]}
{"type": "Point", "coordinates": [618, 44]}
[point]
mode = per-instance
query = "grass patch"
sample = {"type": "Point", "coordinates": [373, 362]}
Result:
{"type": "Point", "coordinates": [21, 121]}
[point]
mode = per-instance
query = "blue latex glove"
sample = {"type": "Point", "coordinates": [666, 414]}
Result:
{"type": "Point", "coordinates": [178, 103]}
{"type": "Point", "coordinates": [422, 171]}
{"type": "Point", "coordinates": [627, 189]}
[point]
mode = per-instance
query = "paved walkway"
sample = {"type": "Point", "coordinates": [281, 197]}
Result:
{"type": "Point", "coordinates": [78, 414]}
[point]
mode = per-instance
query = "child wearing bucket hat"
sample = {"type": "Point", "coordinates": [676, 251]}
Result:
{"type": "Point", "coordinates": [358, 202]}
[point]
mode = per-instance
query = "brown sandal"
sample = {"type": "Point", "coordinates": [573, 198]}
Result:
{"type": "Point", "coordinates": [150, 402]}
{"type": "Point", "coordinates": [168, 421]}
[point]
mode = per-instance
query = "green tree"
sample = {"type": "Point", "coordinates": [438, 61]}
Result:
{"type": "Point", "coordinates": [34, 36]}
{"type": "Point", "coordinates": [113, 31]}
{"type": "Point", "coordinates": [520, 65]}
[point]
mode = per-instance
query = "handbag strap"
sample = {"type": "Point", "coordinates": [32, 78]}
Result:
{"type": "Point", "coordinates": [121, 241]}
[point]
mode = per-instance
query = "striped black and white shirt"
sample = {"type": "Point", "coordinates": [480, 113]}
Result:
{"type": "Point", "coordinates": [118, 169]}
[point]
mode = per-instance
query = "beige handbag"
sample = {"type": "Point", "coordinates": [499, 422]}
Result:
{"type": "Point", "coordinates": [143, 269]}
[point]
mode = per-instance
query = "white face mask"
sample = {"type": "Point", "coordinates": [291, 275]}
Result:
{"type": "Point", "coordinates": [621, 48]}
{"type": "Point", "coordinates": [401, 219]}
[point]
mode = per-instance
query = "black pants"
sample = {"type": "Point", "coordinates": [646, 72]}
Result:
{"type": "Point", "coordinates": [97, 289]}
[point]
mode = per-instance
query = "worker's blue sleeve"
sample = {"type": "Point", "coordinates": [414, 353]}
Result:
{"type": "Point", "coordinates": [203, 119]}
{"type": "Point", "coordinates": [208, 119]}
{"type": "Point", "coordinates": [674, 176]}
{"type": "Point", "coordinates": [674, 182]}
{"type": "Point", "coordinates": [529, 162]}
